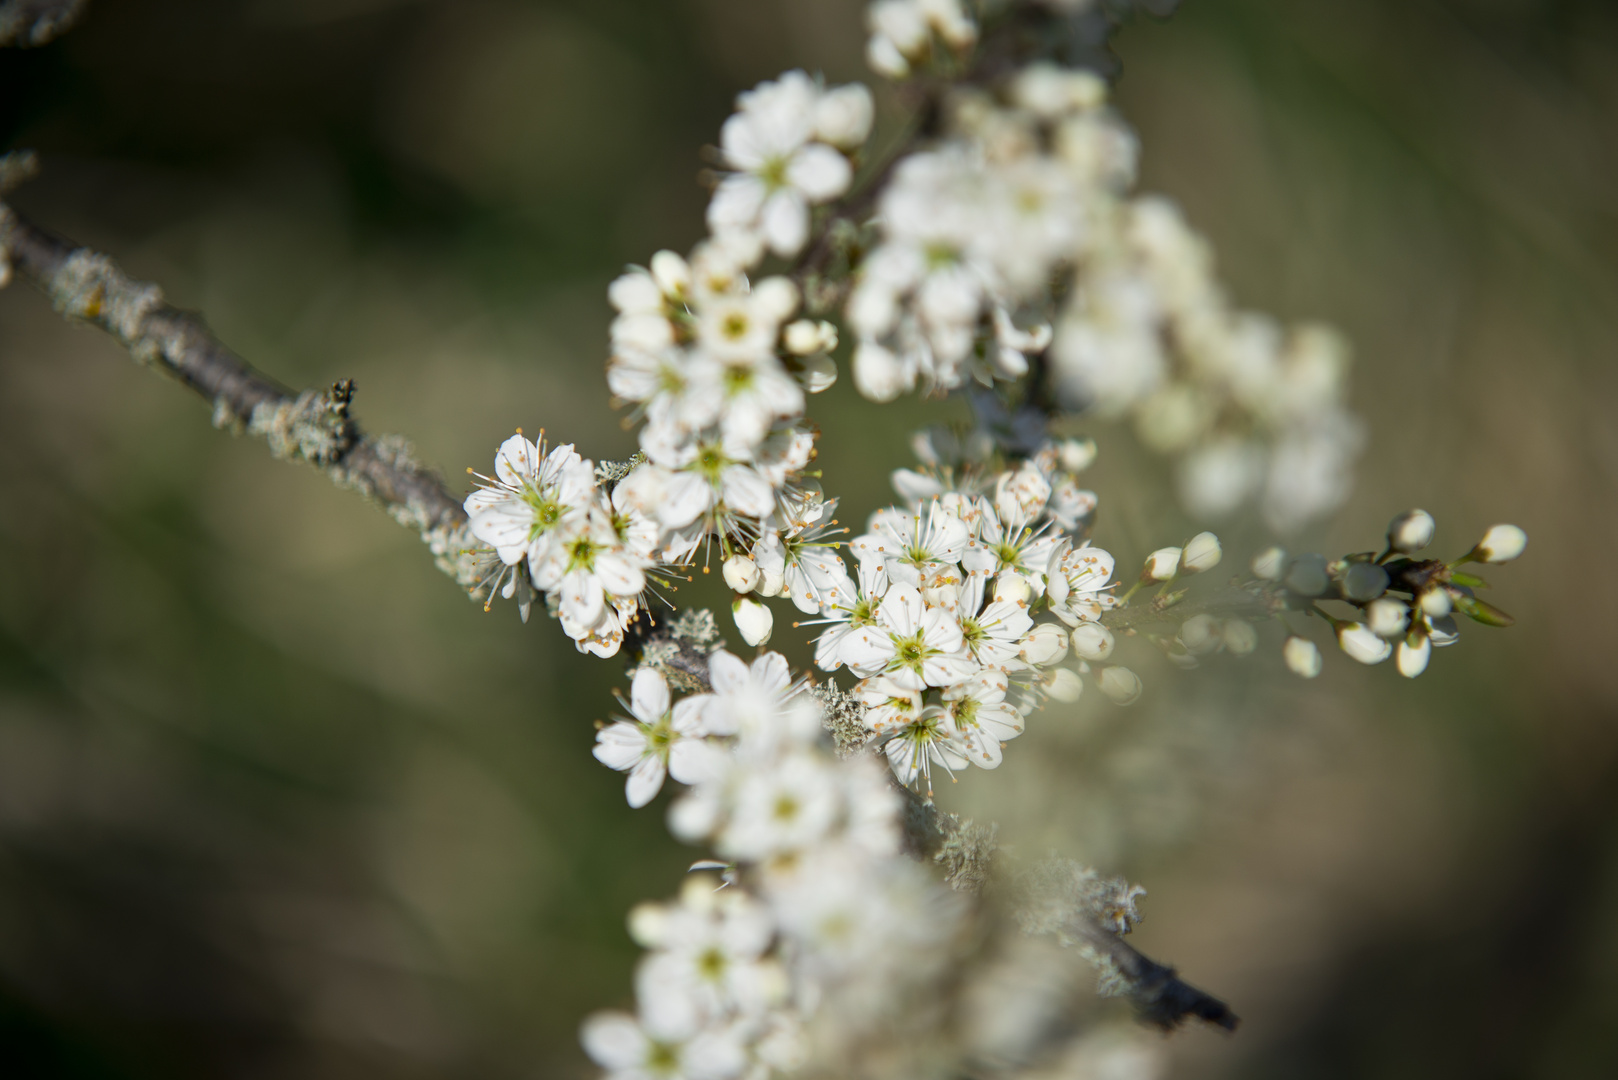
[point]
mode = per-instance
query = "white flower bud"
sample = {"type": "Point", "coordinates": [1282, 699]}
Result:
{"type": "Point", "coordinates": [843, 116]}
{"type": "Point", "coordinates": [1012, 587]}
{"type": "Point", "coordinates": [1044, 645]}
{"type": "Point", "coordinates": [1413, 654]}
{"type": "Point", "coordinates": [5, 270]}
{"type": "Point", "coordinates": [1435, 601]}
{"type": "Point", "coordinates": [1357, 640]}
{"type": "Point", "coordinates": [801, 337]}
{"type": "Point", "coordinates": [1410, 531]}
{"type": "Point", "coordinates": [753, 619]}
{"type": "Point", "coordinates": [819, 373]}
{"type": "Point", "coordinates": [1302, 657]}
{"type": "Point", "coordinates": [1442, 630]}
{"type": "Point", "coordinates": [885, 58]}
{"type": "Point", "coordinates": [1268, 564]}
{"type": "Point", "coordinates": [672, 273]}
{"type": "Point", "coordinates": [741, 573]}
{"type": "Point", "coordinates": [648, 924]}
{"type": "Point", "coordinates": [1500, 544]}
{"type": "Point", "coordinates": [1307, 575]}
{"type": "Point", "coordinates": [1200, 635]}
{"type": "Point", "coordinates": [776, 297]}
{"type": "Point", "coordinates": [635, 293]}
{"type": "Point", "coordinates": [1064, 685]}
{"type": "Point", "coordinates": [878, 374]}
{"type": "Point", "coordinates": [1162, 564]}
{"type": "Point", "coordinates": [1387, 617]}
{"type": "Point", "coordinates": [1240, 637]}
{"type": "Point", "coordinates": [1120, 684]}
{"type": "Point", "coordinates": [1076, 455]}
{"type": "Point", "coordinates": [772, 582]}
{"type": "Point", "coordinates": [1092, 641]}
{"type": "Point", "coordinates": [1202, 552]}
{"type": "Point", "coordinates": [1363, 582]}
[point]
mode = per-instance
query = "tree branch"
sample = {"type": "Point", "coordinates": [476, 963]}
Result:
{"type": "Point", "coordinates": [312, 426]}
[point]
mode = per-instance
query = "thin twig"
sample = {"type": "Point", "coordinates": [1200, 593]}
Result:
{"type": "Point", "coordinates": [312, 426]}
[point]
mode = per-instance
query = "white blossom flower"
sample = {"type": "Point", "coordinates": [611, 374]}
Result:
{"type": "Point", "coordinates": [907, 546]}
{"type": "Point", "coordinates": [632, 1049]}
{"type": "Point", "coordinates": [533, 495]}
{"type": "Point", "coordinates": [979, 712]}
{"type": "Point", "coordinates": [992, 635]}
{"type": "Point", "coordinates": [931, 739]}
{"type": "Point", "coordinates": [780, 807]}
{"type": "Point", "coordinates": [915, 645]}
{"type": "Point", "coordinates": [660, 740]}
{"type": "Point", "coordinates": [1076, 580]}
{"type": "Point", "coordinates": [889, 705]}
{"type": "Point", "coordinates": [781, 171]}
{"type": "Point", "coordinates": [710, 947]}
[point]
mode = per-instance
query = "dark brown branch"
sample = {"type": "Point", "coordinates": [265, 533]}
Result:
{"type": "Point", "coordinates": [312, 426]}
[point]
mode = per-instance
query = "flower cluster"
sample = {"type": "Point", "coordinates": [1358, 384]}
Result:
{"type": "Point", "coordinates": [1404, 605]}
{"type": "Point", "coordinates": [552, 528]}
{"type": "Point", "coordinates": [1026, 202]}
{"type": "Point", "coordinates": [940, 628]}
{"type": "Point", "coordinates": [973, 229]}
{"type": "Point", "coordinates": [816, 896]}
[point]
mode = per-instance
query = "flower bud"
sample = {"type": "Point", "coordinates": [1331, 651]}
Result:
{"type": "Point", "coordinates": [1076, 455]}
{"type": "Point", "coordinates": [5, 270]}
{"type": "Point", "coordinates": [649, 924]}
{"type": "Point", "coordinates": [1064, 685]}
{"type": "Point", "coordinates": [1435, 601]}
{"type": "Point", "coordinates": [817, 373]}
{"type": "Point", "coordinates": [1161, 564]}
{"type": "Point", "coordinates": [1362, 582]}
{"type": "Point", "coordinates": [1200, 635]}
{"type": "Point", "coordinates": [1410, 531]}
{"type": "Point", "coordinates": [1240, 637]}
{"type": "Point", "coordinates": [1500, 544]}
{"type": "Point", "coordinates": [753, 619]}
{"type": "Point", "coordinates": [801, 337]}
{"type": "Point", "coordinates": [1302, 657]}
{"type": "Point", "coordinates": [843, 116]}
{"type": "Point", "coordinates": [741, 573]}
{"type": "Point", "coordinates": [1202, 552]}
{"type": "Point", "coordinates": [1044, 645]}
{"type": "Point", "coordinates": [1442, 630]}
{"type": "Point", "coordinates": [672, 273]}
{"type": "Point", "coordinates": [1387, 617]}
{"type": "Point", "coordinates": [1120, 684]}
{"type": "Point", "coordinates": [1012, 586]}
{"type": "Point", "coordinates": [878, 374]}
{"type": "Point", "coordinates": [1413, 654]}
{"type": "Point", "coordinates": [1357, 640]}
{"type": "Point", "coordinates": [1307, 575]}
{"type": "Point", "coordinates": [1269, 563]}
{"type": "Point", "coordinates": [1092, 641]}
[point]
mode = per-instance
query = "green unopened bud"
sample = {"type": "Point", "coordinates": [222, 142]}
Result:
{"type": "Point", "coordinates": [1481, 611]}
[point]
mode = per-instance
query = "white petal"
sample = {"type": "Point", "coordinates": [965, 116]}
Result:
{"type": "Point", "coordinates": [619, 575]}
{"type": "Point", "coordinates": [819, 172]}
{"type": "Point", "coordinates": [620, 746]}
{"type": "Point", "coordinates": [613, 1040]}
{"type": "Point", "coordinates": [727, 673]}
{"type": "Point", "coordinates": [785, 221]}
{"type": "Point", "coordinates": [645, 781]}
{"type": "Point", "coordinates": [649, 695]}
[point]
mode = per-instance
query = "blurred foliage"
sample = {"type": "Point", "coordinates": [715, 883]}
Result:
{"type": "Point", "coordinates": [276, 801]}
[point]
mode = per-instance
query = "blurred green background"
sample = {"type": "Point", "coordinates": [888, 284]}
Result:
{"type": "Point", "coordinates": [276, 801]}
